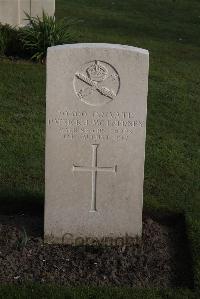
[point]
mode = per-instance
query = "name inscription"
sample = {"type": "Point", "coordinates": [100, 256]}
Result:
{"type": "Point", "coordinates": [95, 126]}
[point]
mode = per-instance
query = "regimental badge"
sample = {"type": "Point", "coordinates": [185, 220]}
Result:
{"type": "Point", "coordinates": [96, 83]}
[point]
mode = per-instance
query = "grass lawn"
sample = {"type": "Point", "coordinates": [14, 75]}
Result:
{"type": "Point", "coordinates": [170, 31]}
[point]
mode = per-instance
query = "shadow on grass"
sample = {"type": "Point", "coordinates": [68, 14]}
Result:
{"type": "Point", "coordinates": [181, 254]}
{"type": "Point", "coordinates": [21, 202]}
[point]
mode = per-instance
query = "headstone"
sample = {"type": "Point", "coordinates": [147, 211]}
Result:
{"type": "Point", "coordinates": [38, 6]}
{"type": "Point", "coordinates": [95, 141]}
{"type": "Point", "coordinates": [9, 12]}
{"type": "Point", "coordinates": [12, 11]}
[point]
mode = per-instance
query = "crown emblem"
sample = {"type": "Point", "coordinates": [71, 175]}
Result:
{"type": "Point", "coordinates": [97, 72]}
{"type": "Point", "coordinates": [96, 83]}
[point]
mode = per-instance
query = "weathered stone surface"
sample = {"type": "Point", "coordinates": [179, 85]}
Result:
{"type": "Point", "coordinates": [9, 12]}
{"type": "Point", "coordinates": [39, 5]}
{"type": "Point", "coordinates": [95, 141]}
{"type": "Point", "coordinates": [12, 11]}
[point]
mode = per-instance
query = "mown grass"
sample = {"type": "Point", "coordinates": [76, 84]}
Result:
{"type": "Point", "coordinates": [170, 31]}
{"type": "Point", "coordinates": [22, 123]}
{"type": "Point", "coordinates": [53, 292]}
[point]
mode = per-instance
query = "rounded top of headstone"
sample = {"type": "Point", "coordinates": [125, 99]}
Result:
{"type": "Point", "coordinates": [100, 46]}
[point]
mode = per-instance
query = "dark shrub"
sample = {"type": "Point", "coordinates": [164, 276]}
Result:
{"type": "Point", "coordinates": [45, 32]}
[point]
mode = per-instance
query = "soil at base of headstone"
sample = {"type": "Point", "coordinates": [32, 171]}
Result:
{"type": "Point", "coordinates": [159, 259]}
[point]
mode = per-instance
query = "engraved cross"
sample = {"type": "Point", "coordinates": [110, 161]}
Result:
{"type": "Point", "coordinates": [94, 170]}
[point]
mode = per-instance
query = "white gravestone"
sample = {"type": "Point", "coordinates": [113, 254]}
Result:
{"type": "Point", "coordinates": [95, 141]}
{"type": "Point", "coordinates": [12, 11]}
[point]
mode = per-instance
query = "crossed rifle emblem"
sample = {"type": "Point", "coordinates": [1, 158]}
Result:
{"type": "Point", "coordinates": [93, 86]}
